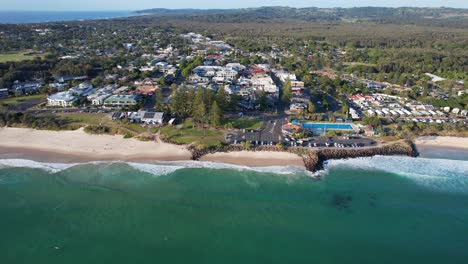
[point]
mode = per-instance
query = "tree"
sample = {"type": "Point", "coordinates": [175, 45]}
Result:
{"type": "Point", "coordinates": [345, 109]}
{"type": "Point", "coordinates": [162, 81]}
{"type": "Point", "coordinates": [174, 87]}
{"type": "Point", "coordinates": [311, 108]}
{"type": "Point", "coordinates": [215, 114]}
{"type": "Point", "coordinates": [287, 91]}
{"type": "Point", "coordinates": [199, 108]}
{"type": "Point", "coordinates": [262, 100]}
{"type": "Point", "coordinates": [246, 145]}
{"type": "Point", "coordinates": [220, 98]}
{"type": "Point", "coordinates": [159, 101]}
{"type": "Point", "coordinates": [325, 104]}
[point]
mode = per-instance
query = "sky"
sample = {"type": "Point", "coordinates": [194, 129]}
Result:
{"type": "Point", "coordinates": [99, 5]}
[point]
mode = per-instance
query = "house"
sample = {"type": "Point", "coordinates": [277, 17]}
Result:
{"type": "Point", "coordinates": [63, 99]}
{"type": "Point", "coordinates": [3, 93]}
{"type": "Point", "coordinates": [120, 101]}
{"type": "Point", "coordinates": [147, 117]}
{"type": "Point", "coordinates": [58, 86]}
{"type": "Point", "coordinates": [147, 89]}
{"type": "Point", "coordinates": [21, 88]}
{"type": "Point", "coordinates": [235, 66]}
{"type": "Point", "coordinates": [120, 90]}
{"type": "Point", "coordinates": [374, 85]}
{"type": "Point", "coordinates": [295, 107]}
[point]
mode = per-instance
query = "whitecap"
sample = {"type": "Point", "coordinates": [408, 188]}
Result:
{"type": "Point", "coordinates": [440, 174]}
{"type": "Point", "coordinates": [23, 163]}
{"type": "Point", "coordinates": [156, 169]}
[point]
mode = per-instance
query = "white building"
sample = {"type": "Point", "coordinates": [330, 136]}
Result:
{"type": "Point", "coordinates": [63, 99]}
{"type": "Point", "coordinates": [98, 98]}
{"type": "Point", "coordinates": [84, 89]}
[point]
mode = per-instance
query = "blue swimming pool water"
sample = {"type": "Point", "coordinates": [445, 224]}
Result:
{"type": "Point", "coordinates": [323, 126]}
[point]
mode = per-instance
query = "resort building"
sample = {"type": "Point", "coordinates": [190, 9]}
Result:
{"type": "Point", "coordinates": [63, 99]}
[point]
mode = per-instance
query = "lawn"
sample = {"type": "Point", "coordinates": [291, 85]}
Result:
{"type": "Point", "coordinates": [188, 133]}
{"type": "Point", "coordinates": [244, 123]}
{"type": "Point", "coordinates": [18, 56]}
{"type": "Point", "coordinates": [4, 103]}
{"type": "Point", "coordinates": [83, 118]}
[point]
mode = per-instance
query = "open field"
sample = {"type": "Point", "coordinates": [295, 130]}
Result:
{"type": "Point", "coordinates": [13, 101]}
{"type": "Point", "coordinates": [244, 123]}
{"type": "Point", "coordinates": [19, 56]}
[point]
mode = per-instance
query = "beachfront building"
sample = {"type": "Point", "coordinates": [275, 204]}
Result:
{"type": "Point", "coordinates": [147, 117]}
{"type": "Point", "coordinates": [4, 93]}
{"type": "Point", "coordinates": [120, 101]}
{"type": "Point", "coordinates": [62, 99]}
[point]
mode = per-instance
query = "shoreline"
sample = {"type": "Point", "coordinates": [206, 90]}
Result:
{"type": "Point", "coordinates": [78, 147]}
{"type": "Point", "coordinates": [455, 143]}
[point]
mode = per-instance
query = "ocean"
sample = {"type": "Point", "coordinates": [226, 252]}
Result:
{"type": "Point", "coordinates": [366, 210]}
{"type": "Point", "coordinates": [20, 17]}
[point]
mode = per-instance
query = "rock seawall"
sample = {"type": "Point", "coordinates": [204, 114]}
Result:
{"type": "Point", "coordinates": [314, 160]}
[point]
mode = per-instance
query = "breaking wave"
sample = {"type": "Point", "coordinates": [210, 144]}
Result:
{"type": "Point", "coordinates": [157, 169]}
{"type": "Point", "coordinates": [440, 174]}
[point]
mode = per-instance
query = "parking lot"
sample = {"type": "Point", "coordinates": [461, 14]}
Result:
{"type": "Point", "coordinates": [271, 134]}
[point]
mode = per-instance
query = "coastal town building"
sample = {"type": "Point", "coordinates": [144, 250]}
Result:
{"type": "Point", "coordinates": [22, 88]}
{"type": "Point", "coordinates": [120, 101]}
{"type": "Point", "coordinates": [84, 89]}
{"type": "Point", "coordinates": [62, 99]}
{"type": "Point", "coordinates": [147, 117]}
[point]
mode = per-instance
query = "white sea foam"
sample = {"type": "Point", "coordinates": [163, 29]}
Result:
{"type": "Point", "coordinates": [441, 174]}
{"type": "Point", "coordinates": [157, 169]}
{"type": "Point", "coordinates": [50, 167]}
{"type": "Point", "coordinates": [169, 167]}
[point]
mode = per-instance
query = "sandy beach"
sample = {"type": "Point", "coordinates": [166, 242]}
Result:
{"type": "Point", "coordinates": [445, 142]}
{"type": "Point", "coordinates": [248, 158]}
{"type": "Point", "coordinates": [78, 146]}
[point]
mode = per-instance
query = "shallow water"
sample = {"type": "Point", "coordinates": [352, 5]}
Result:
{"type": "Point", "coordinates": [370, 210]}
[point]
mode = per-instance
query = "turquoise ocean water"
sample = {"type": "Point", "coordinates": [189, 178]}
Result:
{"type": "Point", "coordinates": [369, 210]}
{"type": "Point", "coordinates": [20, 17]}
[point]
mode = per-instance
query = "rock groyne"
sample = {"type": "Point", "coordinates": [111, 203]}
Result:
{"type": "Point", "coordinates": [314, 160]}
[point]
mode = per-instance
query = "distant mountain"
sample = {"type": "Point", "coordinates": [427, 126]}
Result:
{"type": "Point", "coordinates": [314, 13]}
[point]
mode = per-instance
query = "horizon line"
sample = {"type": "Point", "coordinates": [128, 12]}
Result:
{"type": "Point", "coordinates": [233, 8]}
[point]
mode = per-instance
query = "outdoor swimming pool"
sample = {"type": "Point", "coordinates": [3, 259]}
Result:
{"type": "Point", "coordinates": [327, 126]}
{"type": "Point", "coordinates": [320, 128]}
